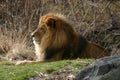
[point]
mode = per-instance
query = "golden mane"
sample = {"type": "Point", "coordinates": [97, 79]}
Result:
{"type": "Point", "coordinates": [63, 34]}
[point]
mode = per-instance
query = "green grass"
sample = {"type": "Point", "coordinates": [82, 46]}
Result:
{"type": "Point", "coordinates": [9, 71]}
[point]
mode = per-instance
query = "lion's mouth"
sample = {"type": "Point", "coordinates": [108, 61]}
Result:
{"type": "Point", "coordinates": [35, 40]}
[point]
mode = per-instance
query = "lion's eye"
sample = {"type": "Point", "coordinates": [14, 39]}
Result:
{"type": "Point", "coordinates": [42, 30]}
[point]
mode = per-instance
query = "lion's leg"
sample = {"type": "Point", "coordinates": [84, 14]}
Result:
{"type": "Point", "coordinates": [95, 51]}
{"type": "Point", "coordinates": [31, 62]}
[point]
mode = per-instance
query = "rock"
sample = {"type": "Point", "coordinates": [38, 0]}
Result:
{"type": "Point", "coordinates": [107, 68]}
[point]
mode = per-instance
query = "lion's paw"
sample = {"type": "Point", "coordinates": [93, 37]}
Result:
{"type": "Point", "coordinates": [21, 62]}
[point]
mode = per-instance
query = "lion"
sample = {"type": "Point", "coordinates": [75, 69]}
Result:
{"type": "Point", "coordinates": [56, 39]}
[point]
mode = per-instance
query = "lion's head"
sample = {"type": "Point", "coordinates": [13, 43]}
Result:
{"type": "Point", "coordinates": [53, 31]}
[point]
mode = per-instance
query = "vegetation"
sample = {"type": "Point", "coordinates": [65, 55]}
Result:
{"type": "Point", "coordinates": [9, 71]}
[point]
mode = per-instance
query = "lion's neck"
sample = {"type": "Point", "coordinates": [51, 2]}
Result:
{"type": "Point", "coordinates": [39, 52]}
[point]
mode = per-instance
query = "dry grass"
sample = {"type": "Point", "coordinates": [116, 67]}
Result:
{"type": "Point", "coordinates": [14, 44]}
{"type": "Point", "coordinates": [94, 20]}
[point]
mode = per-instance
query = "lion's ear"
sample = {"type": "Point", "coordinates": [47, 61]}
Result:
{"type": "Point", "coordinates": [51, 22]}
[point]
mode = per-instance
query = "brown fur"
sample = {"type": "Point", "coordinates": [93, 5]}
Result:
{"type": "Point", "coordinates": [55, 39]}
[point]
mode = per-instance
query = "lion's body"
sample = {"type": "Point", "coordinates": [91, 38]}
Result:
{"type": "Point", "coordinates": [61, 41]}
{"type": "Point", "coordinates": [56, 39]}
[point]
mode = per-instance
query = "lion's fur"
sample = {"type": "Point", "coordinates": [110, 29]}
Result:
{"type": "Point", "coordinates": [61, 41]}
{"type": "Point", "coordinates": [56, 39]}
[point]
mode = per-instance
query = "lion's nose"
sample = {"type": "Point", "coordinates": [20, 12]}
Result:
{"type": "Point", "coordinates": [32, 35]}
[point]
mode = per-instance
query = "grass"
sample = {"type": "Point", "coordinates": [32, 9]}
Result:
{"type": "Point", "coordinates": [8, 71]}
